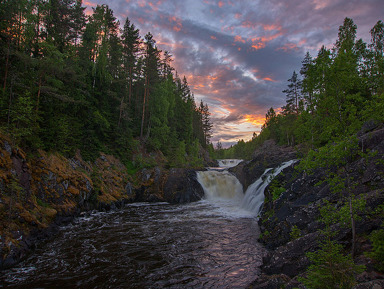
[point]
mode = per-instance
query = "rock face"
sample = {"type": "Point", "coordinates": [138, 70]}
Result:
{"type": "Point", "coordinates": [182, 187]}
{"type": "Point", "coordinates": [175, 186]}
{"type": "Point", "coordinates": [269, 155]}
{"type": "Point", "coordinates": [297, 208]}
{"type": "Point", "coordinates": [39, 194]}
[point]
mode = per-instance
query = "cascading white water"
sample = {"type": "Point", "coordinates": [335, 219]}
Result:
{"type": "Point", "coordinates": [254, 196]}
{"type": "Point", "coordinates": [220, 184]}
{"type": "Point", "coordinates": [229, 163]}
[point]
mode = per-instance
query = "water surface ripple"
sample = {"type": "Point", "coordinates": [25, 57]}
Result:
{"type": "Point", "coordinates": [199, 245]}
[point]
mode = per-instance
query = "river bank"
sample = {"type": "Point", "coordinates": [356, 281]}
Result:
{"type": "Point", "coordinates": [42, 191]}
{"type": "Point", "coordinates": [290, 221]}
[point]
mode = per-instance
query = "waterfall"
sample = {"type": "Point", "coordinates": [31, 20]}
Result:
{"type": "Point", "coordinates": [229, 163]}
{"type": "Point", "coordinates": [254, 196]}
{"type": "Point", "coordinates": [220, 185]}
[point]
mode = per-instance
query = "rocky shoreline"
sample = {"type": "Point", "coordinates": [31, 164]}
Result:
{"type": "Point", "coordinates": [49, 191]}
{"type": "Point", "coordinates": [38, 194]}
{"type": "Point", "coordinates": [297, 209]}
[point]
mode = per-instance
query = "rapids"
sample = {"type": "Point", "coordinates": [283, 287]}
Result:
{"type": "Point", "coordinates": [207, 244]}
{"type": "Point", "coordinates": [198, 245]}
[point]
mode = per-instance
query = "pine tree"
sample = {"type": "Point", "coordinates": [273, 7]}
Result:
{"type": "Point", "coordinates": [293, 95]}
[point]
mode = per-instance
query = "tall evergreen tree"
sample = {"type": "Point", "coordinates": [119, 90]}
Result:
{"type": "Point", "coordinates": [293, 95]}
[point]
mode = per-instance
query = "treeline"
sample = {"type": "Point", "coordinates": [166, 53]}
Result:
{"type": "Point", "coordinates": [71, 81]}
{"type": "Point", "coordinates": [330, 98]}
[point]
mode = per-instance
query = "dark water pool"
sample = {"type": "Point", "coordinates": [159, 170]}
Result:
{"type": "Point", "coordinates": [199, 245]}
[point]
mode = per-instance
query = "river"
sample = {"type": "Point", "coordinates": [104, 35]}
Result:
{"type": "Point", "coordinates": [198, 245]}
{"type": "Point", "coordinates": [207, 244]}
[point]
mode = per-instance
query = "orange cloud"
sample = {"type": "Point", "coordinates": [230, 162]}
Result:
{"type": "Point", "coordinates": [260, 42]}
{"type": "Point", "coordinates": [270, 27]}
{"type": "Point", "coordinates": [178, 25]}
{"type": "Point", "coordinates": [89, 3]}
{"type": "Point", "coordinates": [213, 37]}
{"type": "Point", "coordinates": [154, 8]}
{"type": "Point", "coordinates": [269, 79]}
{"type": "Point", "coordinates": [238, 38]}
{"type": "Point", "coordinates": [258, 45]}
{"type": "Point", "coordinates": [254, 119]}
{"type": "Point", "coordinates": [221, 4]}
{"type": "Point", "coordinates": [238, 15]}
{"type": "Point", "coordinates": [288, 46]}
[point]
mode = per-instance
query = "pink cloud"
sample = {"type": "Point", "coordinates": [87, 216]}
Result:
{"type": "Point", "coordinates": [288, 46]}
{"type": "Point", "coordinates": [238, 38]}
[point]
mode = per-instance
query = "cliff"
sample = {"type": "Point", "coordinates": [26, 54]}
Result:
{"type": "Point", "coordinates": [290, 225]}
{"type": "Point", "coordinates": [40, 191]}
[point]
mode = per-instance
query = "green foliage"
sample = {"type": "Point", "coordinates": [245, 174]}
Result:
{"type": "Point", "coordinates": [377, 253]}
{"type": "Point", "coordinates": [96, 180]}
{"type": "Point", "coordinates": [330, 268]}
{"type": "Point", "coordinates": [41, 203]}
{"type": "Point", "coordinates": [178, 158]}
{"type": "Point", "coordinates": [264, 234]}
{"type": "Point", "coordinates": [338, 91]}
{"type": "Point", "coordinates": [295, 233]}
{"type": "Point", "coordinates": [276, 190]}
{"type": "Point", "coordinates": [72, 81]}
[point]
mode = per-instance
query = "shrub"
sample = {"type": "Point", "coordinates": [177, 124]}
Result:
{"type": "Point", "coordinates": [295, 233]}
{"type": "Point", "coordinates": [330, 268]}
{"type": "Point", "coordinates": [377, 253]}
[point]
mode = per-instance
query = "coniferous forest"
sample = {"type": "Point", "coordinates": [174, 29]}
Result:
{"type": "Point", "coordinates": [330, 98]}
{"type": "Point", "coordinates": [71, 81]}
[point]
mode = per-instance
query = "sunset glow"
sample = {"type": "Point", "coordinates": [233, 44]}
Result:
{"type": "Point", "coordinates": [238, 55]}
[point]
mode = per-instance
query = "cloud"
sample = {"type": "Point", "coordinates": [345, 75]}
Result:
{"type": "Point", "coordinates": [238, 55]}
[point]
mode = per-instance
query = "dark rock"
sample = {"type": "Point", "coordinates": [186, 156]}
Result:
{"type": "Point", "coordinates": [129, 191]}
{"type": "Point", "coordinates": [290, 258]}
{"type": "Point", "coordinates": [299, 206]}
{"type": "Point", "coordinates": [269, 155]}
{"type": "Point", "coordinates": [368, 126]}
{"type": "Point", "coordinates": [375, 284]}
{"type": "Point", "coordinates": [182, 186]}
{"type": "Point", "coordinates": [8, 147]}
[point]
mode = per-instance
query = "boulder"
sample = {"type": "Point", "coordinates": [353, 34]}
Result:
{"type": "Point", "coordinates": [269, 155]}
{"type": "Point", "coordinates": [182, 186]}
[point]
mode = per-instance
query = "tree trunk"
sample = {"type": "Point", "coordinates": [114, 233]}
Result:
{"type": "Point", "coordinates": [38, 97]}
{"type": "Point", "coordinates": [121, 111]}
{"type": "Point", "coordinates": [143, 111]}
{"type": "Point", "coordinates": [6, 65]}
{"type": "Point", "coordinates": [130, 86]}
{"type": "Point", "coordinates": [10, 105]}
{"type": "Point", "coordinates": [353, 226]}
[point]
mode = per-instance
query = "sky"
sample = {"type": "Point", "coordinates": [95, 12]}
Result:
{"type": "Point", "coordinates": [237, 55]}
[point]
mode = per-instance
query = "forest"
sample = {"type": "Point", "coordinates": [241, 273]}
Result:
{"type": "Point", "coordinates": [329, 99]}
{"type": "Point", "coordinates": [74, 82]}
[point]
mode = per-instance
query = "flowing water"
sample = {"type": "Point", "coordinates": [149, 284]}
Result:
{"type": "Point", "coordinates": [208, 244]}
{"type": "Point", "coordinates": [199, 245]}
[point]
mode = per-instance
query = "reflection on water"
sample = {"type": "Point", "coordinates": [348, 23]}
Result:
{"type": "Point", "coordinates": [200, 245]}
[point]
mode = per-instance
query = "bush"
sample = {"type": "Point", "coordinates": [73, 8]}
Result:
{"type": "Point", "coordinates": [377, 253]}
{"type": "Point", "coordinates": [295, 233]}
{"type": "Point", "coordinates": [330, 268]}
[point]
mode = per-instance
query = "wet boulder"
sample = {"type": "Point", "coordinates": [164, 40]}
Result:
{"type": "Point", "coordinates": [269, 155]}
{"type": "Point", "coordinates": [182, 186]}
